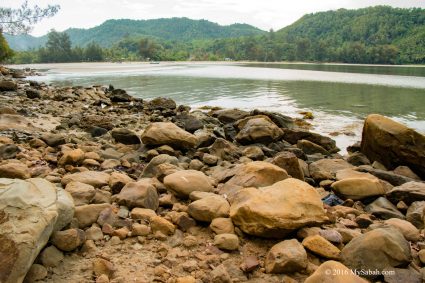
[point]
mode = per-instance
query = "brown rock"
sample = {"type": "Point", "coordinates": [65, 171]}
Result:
{"type": "Point", "coordinates": [103, 267]}
{"type": "Point", "coordinates": [94, 178]}
{"type": "Point", "coordinates": [14, 170]}
{"type": "Point", "coordinates": [286, 257]}
{"type": "Point", "coordinates": [117, 181]}
{"type": "Point", "coordinates": [222, 226]}
{"type": "Point", "coordinates": [209, 208]}
{"type": "Point", "coordinates": [159, 224]}
{"type": "Point", "coordinates": [334, 272]}
{"type": "Point", "coordinates": [289, 162]}
{"type": "Point", "coordinates": [322, 247]}
{"type": "Point", "coordinates": [37, 272]}
{"type": "Point", "coordinates": [139, 194]}
{"type": "Point", "coordinates": [88, 214]}
{"type": "Point", "coordinates": [257, 129]}
{"type": "Point", "coordinates": [182, 183]}
{"type": "Point", "coordinates": [68, 240]}
{"type": "Point", "coordinates": [165, 133]}
{"type": "Point", "coordinates": [72, 157]}
{"type": "Point", "coordinates": [228, 242]}
{"type": "Point", "coordinates": [393, 144]}
{"type": "Point", "coordinates": [51, 257]}
{"type": "Point", "coordinates": [358, 188]}
{"type": "Point", "coordinates": [80, 192]}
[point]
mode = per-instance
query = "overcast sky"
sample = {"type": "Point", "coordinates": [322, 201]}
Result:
{"type": "Point", "coordinates": [264, 14]}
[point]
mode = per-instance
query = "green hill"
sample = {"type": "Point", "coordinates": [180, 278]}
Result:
{"type": "Point", "coordinates": [352, 33]}
{"type": "Point", "coordinates": [112, 31]}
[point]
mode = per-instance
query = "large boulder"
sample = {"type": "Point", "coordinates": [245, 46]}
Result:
{"type": "Point", "coordinates": [257, 129]}
{"type": "Point", "coordinates": [277, 210]}
{"type": "Point", "coordinates": [30, 211]}
{"type": "Point", "coordinates": [166, 133]}
{"type": "Point", "coordinates": [393, 144]}
{"type": "Point", "coordinates": [254, 174]}
{"type": "Point", "coordinates": [378, 249]}
{"type": "Point", "coordinates": [182, 183]}
{"type": "Point", "coordinates": [139, 194]}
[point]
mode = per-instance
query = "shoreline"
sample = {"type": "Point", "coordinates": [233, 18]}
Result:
{"type": "Point", "coordinates": [123, 189]}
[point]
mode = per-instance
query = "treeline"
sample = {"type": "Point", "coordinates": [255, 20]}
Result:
{"type": "Point", "coordinates": [376, 35]}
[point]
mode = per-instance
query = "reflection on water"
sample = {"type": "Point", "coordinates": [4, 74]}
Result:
{"type": "Point", "coordinates": [337, 106]}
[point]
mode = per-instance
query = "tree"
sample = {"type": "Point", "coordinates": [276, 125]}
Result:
{"type": "Point", "coordinates": [21, 20]}
{"type": "Point", "coordinates": [5, 51]}
{"type": "Point", "coordinates": [57, 49]}
{"type": "Point", "coordinates": [93, 52]}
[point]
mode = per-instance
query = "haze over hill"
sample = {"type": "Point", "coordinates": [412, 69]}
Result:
{"type": "Point", "coordinates": [112, 31]}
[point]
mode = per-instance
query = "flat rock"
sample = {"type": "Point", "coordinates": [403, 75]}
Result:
{"type": "Point", "coordinates": [327, 168]}
{"type": "Point", "coordinates": [207, 209]}
{"type": "Point", "coordinates": [93, 178]}
{"type": "Point", "coordinates": [139, 194]}
{"type": "Point", "coordinates": [277, 210]}
{"type": "Point", "coordinates": [358, 188]}
{"type": "Point", "coordinates": [125, 136]}
{"type": "Point", "coordinates": [14, 170]}
{"type": "Point", "coordinates": [408, 193]}
{"type": "Point", "coordinates": [321, 247]}
{"type": "Point", "coordinates": [383, 209]}
{"type": "Point", "coordinates": [17, 122]}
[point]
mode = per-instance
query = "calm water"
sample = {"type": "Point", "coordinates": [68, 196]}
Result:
{"type": "Point", "coordinates": [340, 96]}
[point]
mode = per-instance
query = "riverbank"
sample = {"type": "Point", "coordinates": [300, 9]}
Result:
{"type": "Point", "coordinates": [113, 188]}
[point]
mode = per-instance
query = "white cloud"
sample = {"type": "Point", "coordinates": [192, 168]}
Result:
{"type": "Point", "coordinates": [263, 14]}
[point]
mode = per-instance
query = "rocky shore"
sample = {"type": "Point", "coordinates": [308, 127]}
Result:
{"type": "Point", "coordinates": [99, 186]}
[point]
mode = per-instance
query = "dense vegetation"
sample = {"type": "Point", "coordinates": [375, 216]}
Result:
{"type": "Point", "coordinates": [377, 35]}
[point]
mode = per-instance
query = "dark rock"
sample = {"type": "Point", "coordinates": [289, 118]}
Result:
{"type": "Point", "coordinates": [384, 209]}
{"type": "Point", "coordinates": [98, 131]}
{"type": "Point", "coordinates": [358, 159]}
{"type": "Point", "coordinates": [280, 120]}
{"type": "Point", "coordinates": [289, 161]}
{"type": "Point", "coordinates": [188, 122]}
{"type": "Point", "coordinates": [393, 179]}
{"type": "Point", "coordinates": [8, 151]}
{"type": "Point", "coordinates": [415, 214]}
{"type": "Point", "coordinates": [90, 121]}
{"type": "Point", "coordinates": [53, 140]}
{"type": "Point", "coordinates": [397, 275]}
{"type": "Point", "coordinates": [125, 136]}
{"type": "Point", "coordinates": [393, 144]}
{"type": "Point", "coordinates": [309, 147]}
{"type": "Point", "coordinates": [293, 136]}
{"type": "Point", "coordinates": [230, 115]}
{"type": "Point", "coordinates": [120, 95]}
{"type": "Point", "coordinates": [408, 193]}
{"type": "Point", "coordinates": [32, 93]}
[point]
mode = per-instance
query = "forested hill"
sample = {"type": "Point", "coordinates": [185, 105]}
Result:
{"type": "Point", "coordinates": [353, 33]}
{"type": "Point", "coordinates": [112, 31]}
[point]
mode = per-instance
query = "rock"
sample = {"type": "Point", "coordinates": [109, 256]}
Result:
{"type": "Point", "coordinates": [358, 188]}
{"type": "Point", "coordinates": [144, 214]}
{"type": "Point", "coordinates": [410, 232]}
{"type": "Point", "coordinates": [125, 136]}
{"type": "Point", "coordinates": [186, 279]}
{"type": "Point", "coordinates": [120, 95]}
{"type": "Point", "coordinates": [53, 140]}
{"type": "Point", "coordinates": [139, 194]}
{"type": "Point", "coordinates": [8, 151]}
{"type": "Point", "coordinates": [209, 208]}
{"type": "Point", "coordinates": [6, 85]}
{"type": "Point", "coordinates": [288, 256]}
{"type": "Point", "coordinates": [277, 210]}
{"type": "Point", "coordinates": [94, 178]}
{"type": "Point", "coordinates": [68, 240]}
{"type": "Point", "coordinates": [396, 275]}
{"type": "Point", "coordinates": [348, 234]}
{"type": "Point", "coordinates": [229, 242]}
{"type": "Point", "coordinates": [222, 226]}
{"type": "Point", "coordinates": [321, 247]}
{"type": "Point", "coordinates": [293, 136]}
{"type": "Point", "coordinates": [165, 133]}
{"type": "Point", "coordinates": [80, 192]}
{"type": "Point", "coordinates": [289, 162]}
{"type": "Point", "coordinates": [73, 157]}
{"type": "Point", "coordinates": [250, 263]}
{"type": "Point", "coordinates": [378, 249]}
{"type": "Point", "coordinates": [407, 172]}
{"type": "Point", "coordinates": [117, 181]}
{"type": "Point", "coordinates": [421, 255]}
{"type": "Point", "coordinates": [161, 103]}
{"type": "Point", "coordinates": [224, 150]}
{"type": "Point", "coordinates": [97, 131]}
{"type": "Point", "coordinates": [383, 209]}
{"type": "Point", "coordinates": [254, 174]}
{"type": "Point", "coordinates": [14, 170]}
{"type": "Point", "coordinates": [17, 122]}
{"type": "Point", "coordinates": [151, 170]}
{"type": "Point", "coordinates": [415, 214]}
{"type": "Point", "coordinates": [309, 147]}
{"type": "Point", "coordinates": [357, 159]}
{"type": "Point", "coordinates": [182, 183]}
{"type": "Point", "coordinates": [94, 233]}
{"type": "Point", "coordinates": [331, 235]}
{"type": "Point", "coordinates": [159, 224]}
{"type": "Point", "coordinates": [280, 120]}
{"type": "Point", "coordinates": [37, 272]}
{"type": "Point", "coordinates": [327, 168]}
{"type": "Point", "coordinates": [408, 193]}
{"type": "Point", "coordinates": [220, 275]}
{"type": "Point", "coordinates": [393, 144]}
{"type": "Point", "coordinates": [230, 115]}
{"type": "Point", "coordinates": [29, 212]}
{"type": "Point", "coordinates": [189, 122]}
{"type": "Point", "coordinates": [88, 214]}
{"type": "Point", "coordinates": [51, 257]}
{"type": "Point", "coordinates": [103, 267]}
{"type": "Point", "coordinates": [257, 129]}
{"type": "Point", "coordinates": [390, 177]}
{"type": "Point", "coordinates": [334, 272]}
{"type": "Point", "coordinates": [140, 230]}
